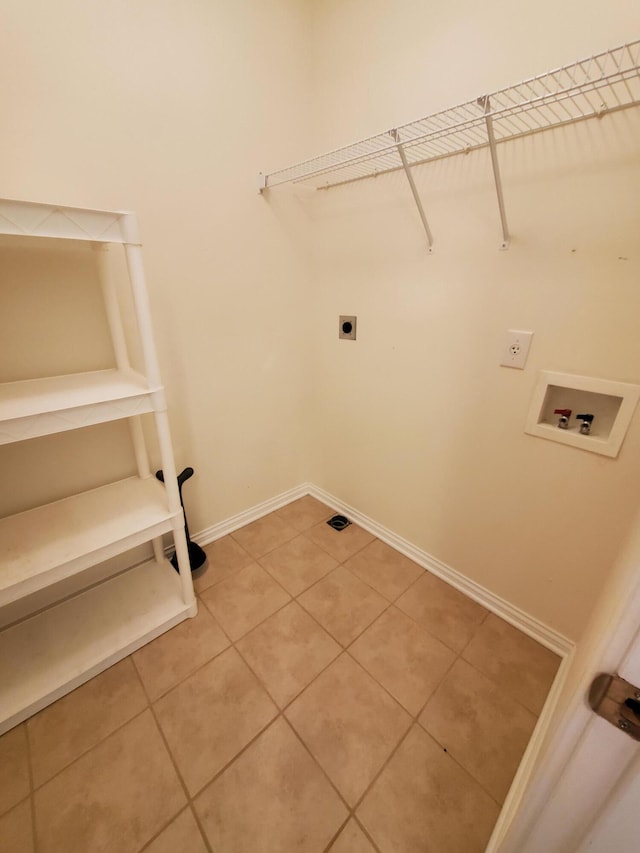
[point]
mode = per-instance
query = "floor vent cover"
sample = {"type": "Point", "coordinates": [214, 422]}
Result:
{"type": "Point", "coordinates": [339, 522]}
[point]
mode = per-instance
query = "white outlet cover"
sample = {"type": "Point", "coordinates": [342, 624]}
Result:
{"type": "Point", "coordinates": [516, 348]}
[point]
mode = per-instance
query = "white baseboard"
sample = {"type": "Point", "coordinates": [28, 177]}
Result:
{"type": "Point", "coordinates": [529, 625]}
{"type": "Point", "coordinates": [520, 784]}
{"type": "Point", "coordinates": [510, 613]}
{"type": "Point", "coordinates": [222, 528]}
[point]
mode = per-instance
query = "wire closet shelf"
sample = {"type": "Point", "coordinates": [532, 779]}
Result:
{"type": "Point", "coordinates": [589, 88]}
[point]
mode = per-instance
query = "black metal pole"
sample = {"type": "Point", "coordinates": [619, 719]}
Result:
{"type": "Point", "coordinates": [197, 556]}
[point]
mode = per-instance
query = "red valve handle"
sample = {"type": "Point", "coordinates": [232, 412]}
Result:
{"type": "Point", "coordinates": [565, 412]}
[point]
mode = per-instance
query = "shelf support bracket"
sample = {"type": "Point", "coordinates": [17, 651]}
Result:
{"type": "Point", "coordinates": [485, 103]}
{"type": "Point", "coordinates": [407, 170]}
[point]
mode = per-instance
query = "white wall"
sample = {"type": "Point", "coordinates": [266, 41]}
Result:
{"type": "Point", "coordinates": [418, 426]}
{"type": "Point", "coordinates": [171, 109]}
{"type": "Point", "coordinates": [168, 109]}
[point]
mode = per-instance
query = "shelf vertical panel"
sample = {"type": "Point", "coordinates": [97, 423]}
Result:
{"type": "Point", "coordinates": [133, 254]}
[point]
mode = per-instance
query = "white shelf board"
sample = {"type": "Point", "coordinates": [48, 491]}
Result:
{"type": "Point", "coordinates": [606, 82]}
{"type": "Point", "coordinates": [44, 545]}
{"type": "Point", "coordinates": [35, 407]}
{"type": "Point", "coordinates": [55, 651]}
{"type": "Point", "coordinates": [37, 219]}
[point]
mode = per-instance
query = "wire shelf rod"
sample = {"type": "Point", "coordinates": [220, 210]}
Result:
{"type": "Point", "coordinates": [485, 144]}
{"type": "Point", "coordinates": [588, 88]}
{"type": "Point", "coordinates": [416, 196]}
{"type": "Point", "coordinates": [486, 104]}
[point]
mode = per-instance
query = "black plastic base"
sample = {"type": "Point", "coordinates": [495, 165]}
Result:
{"type": "Point", "coordinates": [197, 557]}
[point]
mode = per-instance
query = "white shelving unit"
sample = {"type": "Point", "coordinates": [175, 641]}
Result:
{"type": "Point", "coordinates": [587, 89]}
{"type": "Point", "coordinates": [54, 650]}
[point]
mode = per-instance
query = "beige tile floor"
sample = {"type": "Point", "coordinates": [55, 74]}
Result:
{"type": "Point", "coordinates": [330, 695]}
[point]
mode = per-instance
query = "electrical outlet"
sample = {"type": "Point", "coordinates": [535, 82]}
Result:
{"type": "Point", "coordinates": [347, 327]}
{"type": "Point", "coordinates": [516, 349]}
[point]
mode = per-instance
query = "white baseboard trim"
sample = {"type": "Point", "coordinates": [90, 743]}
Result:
{"type": "Point", "coordinates": [510, 613]}
{"type": "Point", "coordinates": [222, 528]}
{"type": "Point", "coordinates": [519, 786]}
{"type": "Point", "coordinates": [529, 625]}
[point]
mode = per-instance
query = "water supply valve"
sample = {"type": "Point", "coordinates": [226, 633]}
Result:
{"type": "Point", "coordinates": [565, 414]}
{"type": "Point", "coordinates": [585, 426]}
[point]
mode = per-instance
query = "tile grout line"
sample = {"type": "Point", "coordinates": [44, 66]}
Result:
{"type": "Point", "coordinates": [283, 708]}
{"type": "Point", "coordinates": [295, 598]}
{"type": "Point", "coordinates": [275, 547]}
{"type": "Point", "coordinates": [511, 698]}
{"type": "Point", "coordinates": [473, 636]}
{"type": "Point", "coordinates": [32, 790]}
{"type": "Point", "coordinates": [226, 632]}
{"type": "Point", "coordinates": [231, 761]}
{"type": "Point", "coordinates": [36, 787]}
{"type": "Point", "coordinates": [319, 580]}
{"type": "Point", "coordinates": [414, 722]}
{"type": "Point", "coordinates": [102, 740]}
{"type": "Point", "coordinates": [393, 601]}
{"type": "Point", "coordinates": [311, 542]}
{"type": "Point", "coordinates": [191, 672]}
{"type": "Point", "coordinates": [262, 685]}
{"type": "Point", "coordinates": [246, 633]}
{"type": "Point", "coordinates": [192, 808]}
{"type": "Point", "coordinates": [340, 642]}
{"type": "Point", "coordinates": [343, 647]}
{"type": "Point", "coordinates": [281, 714]}
{"type": "Point", "coordinates": [445, 749]}
{"type": "Point", "coordinates": [185, 808]}
{"type": "Point", "coordinates": [281, 711]}
{"type": "Point", "coordinates": [383, 767]}
{"type": "Point", "coordinates": [464, 769]}
{"type": "Point", "coordinates": [304, 689]}
{"type": "Point", "coordinates": [304, 533]}
{"type": "Point", "coordinates": [175, 768]}
{"type": "Point", "coordinates": [414, 718]}
{"type": "Point", "coordinates": [322, 548]}
{"type": "Point", "coordinates": [366, 833]}
{"type": "Point", "coordinates": [441, 745]}
{"type": "Point", "coordinates": [344, 650]}
{"type": "Point", "coordinates": [337, 834]}
{"type": "Point", "coordinates": [92, 747]}
{"type": "Point", "coordinates": [317, 764]}
{"type": "Point", "coordinates": [276, 512]}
